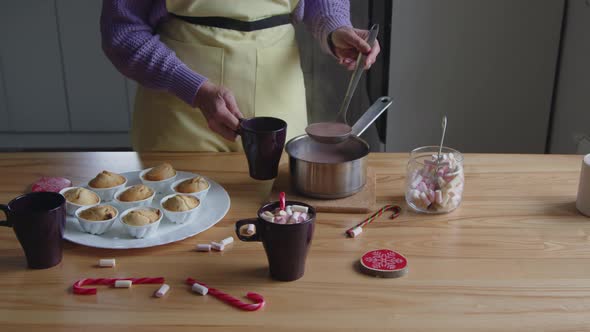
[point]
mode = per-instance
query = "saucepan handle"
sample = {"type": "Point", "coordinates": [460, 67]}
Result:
{"type": "Point", "coordinates": [5, 223]}
{"type": "Point", "coordinates": [248, 238]}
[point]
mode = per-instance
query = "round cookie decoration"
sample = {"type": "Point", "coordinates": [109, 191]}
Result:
{"type": "Point", "coordinates": [384, 263]}
{"type": "Point", "coordinates": [52, 184]}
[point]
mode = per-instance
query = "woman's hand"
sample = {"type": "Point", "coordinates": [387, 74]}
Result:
{"type": "Point", "coordinates": [220, 109]}
{"type": "Point", "coordinates": [348, 42]}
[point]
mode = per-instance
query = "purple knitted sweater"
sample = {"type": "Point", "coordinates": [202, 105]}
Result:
{"type": "Point", "coordinates": [130, 41]}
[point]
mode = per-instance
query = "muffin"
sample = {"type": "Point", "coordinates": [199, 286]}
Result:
{"type": "Point", "coordinates": [135, 193]}
{"type": "Point", "coordinates": [96, 219]}
{"type": "Point", "coordinates": [106, 179]}
{"type": "Point", "coordinates": [160, 173]}
{"type": "Point", "coordinates": [193, 185]}
{"type": "Point", "coordinates": [181, 203]}
{"type": "Point", "coordinates": [81, 196]}
{"type": "Point", "coordinates": [141, 217]}
{"type": "Point", "coordinates": [98, 213]}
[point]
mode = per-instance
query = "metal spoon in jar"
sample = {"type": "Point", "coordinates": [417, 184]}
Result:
{"type": "Point", "coordinates": [336, 132]}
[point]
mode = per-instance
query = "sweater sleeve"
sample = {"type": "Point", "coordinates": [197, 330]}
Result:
{"type": "Point", "coordinates": [324, 16]}
{"type": "Point", "coordinates": [129, 40]}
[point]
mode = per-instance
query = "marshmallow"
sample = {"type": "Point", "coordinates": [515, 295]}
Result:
{"type": "Point", "coordinates": [162, 291]}
{"type": "Point", "coordinates": [123, 283]}
{"type": "Point", "coordinates": [416, 181]}
{"type": "Point", "coordinates": [299, 208]}
{"type": "Point", "coordinates": [438, 197]}
{"type": "Point", "coordinates": [203, 247]}
{"type": "Point", "coordinates": [251, 229]}
{"type": "Point", "coordinates": [217, 246]}
{"type": "Point", "coordinates": [107, 262]}
{"type": "Point", "coordinates": [355, 231]}
{"type": "Point", "coordinates": [289, 210]}
{"type": "Point", "coordinates": [227, 241]}
{"type": "Point", "coordinates": [282, 213]}
{"type": "Point", "coordinates": [200, 289]}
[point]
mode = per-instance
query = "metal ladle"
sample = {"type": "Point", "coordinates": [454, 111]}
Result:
{"type": "Point", "coordinates": [336, 132]}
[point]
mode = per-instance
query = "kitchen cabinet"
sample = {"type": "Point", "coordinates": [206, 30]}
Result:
{"type": "Point", "coordinates": [32, 67]}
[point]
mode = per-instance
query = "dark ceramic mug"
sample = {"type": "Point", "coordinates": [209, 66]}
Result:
{"type": "Point", "coordinates": [38, 220]}
{"type": "Point", "coordinates": [263, 140]}
{"type": "Point", "coordinates": [286, 245]}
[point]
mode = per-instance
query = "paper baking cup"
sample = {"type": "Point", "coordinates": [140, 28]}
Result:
{"type": "Point", "coordinates": [141, 232]}
{"type": "Point", "coordinates": [159, 186]}
{"type": "Point", "coordinates": [71, 208]}
{"type": "Point", "coordinates": [199, 194]}
{"type": "Point", "coordinates": [106, 194]}
{"type": "Point", "coordinates": [179, 217]}
{"type": "Point", "coordinates": [127, 205]}
{"type": "Point", "coordinates": [95, 227]}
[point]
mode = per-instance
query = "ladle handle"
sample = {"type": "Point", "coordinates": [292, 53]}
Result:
{"type": "Point", "coordinates": [356, 76]}
{"type": "Point", "coordinates": [371, 115]}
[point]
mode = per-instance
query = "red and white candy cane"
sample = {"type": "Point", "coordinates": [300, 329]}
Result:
{"type": "Point", "coordinates": [257, 298]}
{"type": "Point", "coordinates": [282, 203]}
{"type": "Point", "coordinates": [79, 290]}
{"type": "Point", "coordinates": [353, 231]}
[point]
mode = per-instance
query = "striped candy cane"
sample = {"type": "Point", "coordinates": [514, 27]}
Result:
{"type": "Point", "coordinates": [79, 290]}
{"type": "Point", "coordinates": [282, 202]}
{"type": "Point", "coordinates": [396, 211]}
{"type": "Point", "coordinates": [257, 298]}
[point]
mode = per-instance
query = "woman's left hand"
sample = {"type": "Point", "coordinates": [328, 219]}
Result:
{"type": "Point", "coordinates": [348, 42]}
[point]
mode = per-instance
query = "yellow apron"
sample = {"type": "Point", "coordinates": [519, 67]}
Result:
{"type": "Point", "coordinates": [262, 69]}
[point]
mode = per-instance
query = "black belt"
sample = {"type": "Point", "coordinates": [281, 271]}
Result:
{"type": "Point", "coordinates": [230, 23]}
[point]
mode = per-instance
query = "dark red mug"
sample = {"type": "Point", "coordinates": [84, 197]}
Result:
{"type": "Point", "coordinates": [38, 220]}
{"type": "Point", "coordinates": [263, 140]}
{"type": "Point", "coordinates": [286, 245]}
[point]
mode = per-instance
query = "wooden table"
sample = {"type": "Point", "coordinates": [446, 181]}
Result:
{"type": "Point", "coordinates": [514, 257]}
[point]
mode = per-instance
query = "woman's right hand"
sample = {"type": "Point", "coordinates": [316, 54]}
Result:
{"type": "Point", "coordinates": [220, 109]}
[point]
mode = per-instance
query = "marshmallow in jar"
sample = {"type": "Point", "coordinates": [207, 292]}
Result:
{"type": "Point", "coordinates": [583, 201]}
{"type": "Point", "coordinates": [433, 187]}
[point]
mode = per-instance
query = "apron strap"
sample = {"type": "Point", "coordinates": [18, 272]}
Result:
{"type": "Point", "coordinates": [233, 24]}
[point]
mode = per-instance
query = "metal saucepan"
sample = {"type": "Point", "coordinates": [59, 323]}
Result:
{"type": "Point", "coordinates": [333, 170]}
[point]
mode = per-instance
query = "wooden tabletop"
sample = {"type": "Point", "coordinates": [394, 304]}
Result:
{"type": "Point", "coordinates": [514, 257]}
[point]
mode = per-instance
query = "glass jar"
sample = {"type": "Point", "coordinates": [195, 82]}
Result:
{"type": "Point", "coordinates": [433, 187]}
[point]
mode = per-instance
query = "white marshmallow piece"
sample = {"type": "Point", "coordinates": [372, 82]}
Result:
{"type": "Point", "coordinates": [200, 289]}
{"type": "Point", "coordinates": [355, 231]}
{"type": "Point", "coordinates": [303, 217]}
{"type": "Point", "coordinates": [203, 247]}
{"type": "Point", "coordinates": [438, 197]}
{"type": "Point", "coordinates": [268, 218]}
{"type": "Point", "coordinates": [107, 262]}
{"type": "Point", "coordinates": [299, 208]}
{"type": "Point", "coordinates": [282, 213]}
{"type": "Point", "coordinates": [424, 199]}
{"type": "Point", "coordinates": [162, 291]}
{"type": "Point", "coordinates": [227, 241]}
{"type": "Point", "coordinates": [416, 181]}
{"type": "Point", "coordinates": [251, 229]}
{"type": "Point", "coordinates": [289, 210]}
{"type": "Point", "coordinates": [217, 246]}
{"type": "Point", "coordinates": [123, 283]}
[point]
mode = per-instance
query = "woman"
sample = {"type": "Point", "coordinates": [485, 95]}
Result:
{"type": "Point", "coordinates": [204, 64]}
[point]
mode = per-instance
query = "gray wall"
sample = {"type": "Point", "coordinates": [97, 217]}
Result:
{"type": "Point", "coordinates": [488, 65]}
{"type": "Point", "coordinates": [571, 120]}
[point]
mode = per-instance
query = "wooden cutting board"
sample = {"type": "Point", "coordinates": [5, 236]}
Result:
{"type": "Point", "coordinates": [361, 202]}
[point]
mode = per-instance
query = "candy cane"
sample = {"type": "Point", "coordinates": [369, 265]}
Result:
{"type": "Point", "coordinates": [79, 290]}
{"type": "Point", "coordinates": [257, 298]}
{"type": "Point", "coordinates": [282, 200]}
{"type": "Point", "coordinates": [357, 229]}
